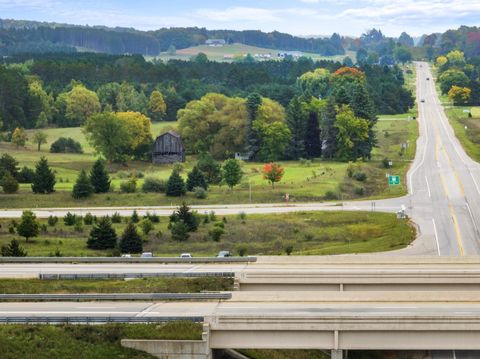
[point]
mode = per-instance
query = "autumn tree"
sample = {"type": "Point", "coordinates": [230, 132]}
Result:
{"type": "Point", "coordinates": [19, 137]}
{"type": "Point", "coordinates": [156, 106]}
{"type": "Point", "coordinates": [273, 172]}
{"type": "Point", "coordinates": [81, 103]}
{"type": "Point", "coordinates": [459, 95]}
{"type": "Point", "coordinates": [40, 138]}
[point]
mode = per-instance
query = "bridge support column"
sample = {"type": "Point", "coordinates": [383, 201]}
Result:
{"type": "Point", "coordinates": [337, 354]}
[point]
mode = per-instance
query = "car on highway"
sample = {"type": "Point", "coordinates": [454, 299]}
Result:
{"type": "Point", "coordinates": [223, 254]}
{"type": "Point", "coordinates": [147, 255]}
{"type": "Point", "coordinates": [428, 78]}
{"type": "Point", "coordinates": [186, 255]}
{"type": "Point", "coordinates": [126, 256]}
{"type": "Point", "coordinates": [422, 100]}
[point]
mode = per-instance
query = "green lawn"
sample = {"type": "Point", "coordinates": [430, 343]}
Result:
{"type": "Point", "coordinates": [143, 285]}
{"type": "Point", "coordinates": [87, 341]}
{"type": "Point", "coordinates": [308, 233]}
{"type": "Point", "coordinates": [469, 137]}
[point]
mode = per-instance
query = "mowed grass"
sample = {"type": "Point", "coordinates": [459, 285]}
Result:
{"type": "Point", "coordinates": [87, 341]}
{"type": "Point", "coordinates": [306, 233]}
{"type": "Point", "coordinates": [467, 129]}
{"type": "Point", "coordinates": [143, 285]}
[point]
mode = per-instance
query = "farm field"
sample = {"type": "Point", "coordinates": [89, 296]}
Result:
{"type": "Point", "coordinates": [302, 233]}
{"type": "Point", "coordinates": [237, 50]}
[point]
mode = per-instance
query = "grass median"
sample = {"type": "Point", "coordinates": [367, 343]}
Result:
{"type": "Point", "coordinates": [143, 285]}
{"type": "Point", "coordinates": [87, 341]}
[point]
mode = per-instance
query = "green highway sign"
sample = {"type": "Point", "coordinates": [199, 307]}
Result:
{"type": "Point", "coordinates": [393, 180]}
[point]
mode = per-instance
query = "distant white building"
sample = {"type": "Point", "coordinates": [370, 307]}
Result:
{"type": "Point", "coordinates": [294, 54]}
{"type": "Point", "coordinates": [228, 57]}
{"type": "Point", "coordinates": [215, 42]}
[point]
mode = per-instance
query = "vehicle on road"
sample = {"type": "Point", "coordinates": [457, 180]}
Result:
{"type": "Point", "coordinates": [428, 78]}
{"type": "Point", "coordinates": [147, 255]}
{"type": "Point", "coordinates": [126, 256]}
{"type": "Point", "coordinates": [185, 255]}
{"type": "Point", "coordinates": [422, 100]}
{"type": "Point", "coordinates": [223, 254]}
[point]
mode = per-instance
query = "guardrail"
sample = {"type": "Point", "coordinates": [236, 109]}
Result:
{"type": "Point", "coordinates": [95, 320]}
{"type": "Point", "coordinates": [57, 276]}
{"type": "Point", "coordinates": [127, 260]}
{"type": "Point", "coordinates": [115, 296]}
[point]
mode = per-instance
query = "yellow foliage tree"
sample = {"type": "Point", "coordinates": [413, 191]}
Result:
{"type": "Point", "coordinates": [157, 106]}
{"type": "Point", "coordinates": [19, 137]}
{"type": "Point", "coordinates": [459, 95]}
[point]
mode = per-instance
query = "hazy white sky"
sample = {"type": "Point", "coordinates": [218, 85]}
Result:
{"type": "Point", "coordinates": [300, 17]}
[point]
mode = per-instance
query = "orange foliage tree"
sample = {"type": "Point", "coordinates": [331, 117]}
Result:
{"type": "Point", "coordinates": [273, 173]}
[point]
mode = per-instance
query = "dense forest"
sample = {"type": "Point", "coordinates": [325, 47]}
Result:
{"type": "Point", "coordinates": [24, 36]}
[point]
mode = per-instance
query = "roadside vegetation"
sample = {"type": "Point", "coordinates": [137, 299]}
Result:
{"type": "Point", "coordinates": [87, 341]}
{"type": "Point", "coordinates": [142, 285]}
{"type": "Point", "coordinates": [302, 233]}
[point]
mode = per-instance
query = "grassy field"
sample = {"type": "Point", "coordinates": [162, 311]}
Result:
{"type": "Point", "coordinates": [307, 233]}
{"type": "Point", "coordinates": [86, 341]}
{"type": "Point", "coordinates": [143, 285]}
{"type": "Point", "coordinates": [467, 129]}
{"type": "Point", "coordinates": [237, 50]}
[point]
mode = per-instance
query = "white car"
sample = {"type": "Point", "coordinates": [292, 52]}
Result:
{"type": "Point", "coordinates": [185, 255]}
{"type": "Point", "coordinates": [147, 255]}
{"type": "Point", "coordinates": [126, 256]}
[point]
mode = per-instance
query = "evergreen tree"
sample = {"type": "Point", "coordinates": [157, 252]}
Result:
{"type": "Point", "coordinates": [9, 183]}
{"type": "Point", "coordinates": [254, 101]}
{"type": "Point", "coordinates": [8, 164]}
{"type": "Point", "coordinates": [362, 106]}
{"type": "Point", "coordinates": [296, 121]}
{"type": "Point", "coordinates": [313, 144]}
{"type": "Point", "coordinates": [99, 177]}
{"type": "Point", "coordinates": [44, 180]}
{"type": "Point", "coordinates": [175, 185]}
{"type": "Point", "coordinates": [13, 250]}
{"type": "Point", "coordinates": [196, 178]}
{"type": "Point", "coordinates": [329, 131]}
{"type": "Point", "coordinates": [28, 227]}
{"type": "Point", "coordinates": [82, 188]}
{"type": "Point", "coordinates": [102, 235]}
{"type": "Point", "coordinates": [210, 168]}
{"type": "Point", "coordinates": [185, 215]}
{"type": "Point", "coordinates": [131, 242]}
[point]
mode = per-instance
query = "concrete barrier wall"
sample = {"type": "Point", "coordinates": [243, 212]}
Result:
{"type": "Point", "coordinates": [171, 349]}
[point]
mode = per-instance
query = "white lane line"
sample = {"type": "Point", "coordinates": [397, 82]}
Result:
{"type": "Point", "coordinates": [436, 236]}
{"type": "Point", "coordinates": [474, 180]}
{"type": "Point", "coordinates": [148, 309]}
{"type": "Point", "coordinates": [428, 187]}
{"type": "Point", "coordinates": [454, 355]}
{"type": "Point", "coordinates": [472, 218]}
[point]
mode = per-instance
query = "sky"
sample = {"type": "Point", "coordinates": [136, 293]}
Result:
{"type": "Point", "coordinates": [297, 17]}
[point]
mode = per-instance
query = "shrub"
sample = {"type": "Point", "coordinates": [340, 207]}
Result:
{"type": "Point", "coordinates": [360, 176]}
{"type": "Point", "coordinates": [153, 217]}
{"type": "Point", "coordinates": [129, 186]}
{"type": "Point", "coordinates": [135, 218]}
{"type": "Point", "coordinates": [152, 184]}
{"type": "Point", "coordinates": [200, 192]}
{"type": "Point", "coordinates": [289, 249]}
{"type": "Point", "coordinates": [88, 219]}
{"type": "Point", "coordinates": [359, 191]}
{"type": "Point", "coordinates": [179, 231]}
{"type": "Point", "coordinates": [9, 183]}
{"type": "Point", "coordinates": [26, 175]}
{"type": "Point", "coordinates": [219, 224]}
{"type": "Point", "coordinates": [78, 224]}
{"type": "Point", "coordinates": [242, 215]}
{"type": "Point", "coordinates": [52, 221]}
{"type": "Point", "coordinates": [216, 233]}
{"type": "Point", "coordinates": [242, 250]}
{"type": "Point", "coordinates": [13, 250]}
{"type": "Point", "coordinates": [69, 219]}
{"type": "Point", "coordinates": [66, 145]}
{"type": "Point", "coordinates": [116, 218]}
{"type": "Point", "coordinates": [146, 225]}
{"type": "Point", "coordinates": [330, 195]}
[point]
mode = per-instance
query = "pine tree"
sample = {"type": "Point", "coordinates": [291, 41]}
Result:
{"type": "Point", "coordinates": [44, 179]}
{"type": "Point", "coordinates": [9, 183]}
{"type": "Point", "coordinates": [185, 215]}
{"type": "Point", "coordinates": [175, 185]}
{"type": "Point", "coordinates": [196, 178]}
{"type": "Point", "coordinates": [28, 227]}
{"type": "Point", "coordinates": [99, 177]}
{"type": "Point", "coordinates": [131, 242]}
{"type": "Point", "coordinates": [363, 107]}
{"type": "Point", "coordinates": [313, 145]}
{"type": "Point", "coordinates": [82, 188]}
{"type": "Point", "coordinates": [102, 235]}
{"type": "Point", "coordinates": [13, 250]}
{"type": "Point", "coordinates": [254, 101]}
{"type": "Point", "coordinates": [296, 121]}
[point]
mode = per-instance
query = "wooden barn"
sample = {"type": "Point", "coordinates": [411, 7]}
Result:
{"type": "Point", "coordinates": [168, 148]}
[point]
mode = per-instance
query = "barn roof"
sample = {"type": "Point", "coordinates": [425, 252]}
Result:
{"type": "Point", "coordinates": [173, 133]}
